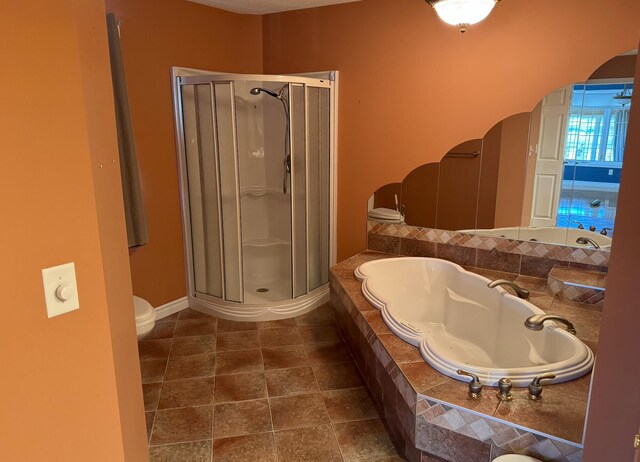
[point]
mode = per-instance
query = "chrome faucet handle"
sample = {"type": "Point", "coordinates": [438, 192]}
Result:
{"type": "Point", "coordinates": [475, 387]}
{"type": "Point", "coordinates": [504, 389]}
{"type": "Point", "coordinates": [580, 225]}
{"type": "Point", "coordinates": [535, 388]}
{"type": "Point", "coordinates": [592, 228]}
{"type": "Point", "coordinates": [604, 231]}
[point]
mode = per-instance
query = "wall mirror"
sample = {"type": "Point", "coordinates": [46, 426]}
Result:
{"type": "Point", "coordinates": [550, 175]}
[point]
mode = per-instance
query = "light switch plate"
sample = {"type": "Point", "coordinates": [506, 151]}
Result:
{"type": "Point", "coordinates": [54, 278]}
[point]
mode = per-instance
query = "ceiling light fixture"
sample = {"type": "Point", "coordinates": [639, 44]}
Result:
{"type": "Point", "coordinates": [462, 13]}
{"type": "Point", "coordinates": [624, 97]}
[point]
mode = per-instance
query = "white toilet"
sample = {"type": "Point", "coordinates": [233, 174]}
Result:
{"type": "Point", "coordinates": [515, 458]}
{"type": "Point", "coordinates": [145, 316]}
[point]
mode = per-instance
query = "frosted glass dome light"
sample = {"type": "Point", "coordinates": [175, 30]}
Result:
{"type": "Point", "coordinates": [463, 13]}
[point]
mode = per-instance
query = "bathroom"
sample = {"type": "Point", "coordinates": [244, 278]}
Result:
{"type": "Point", "coordinates": [410, 89]}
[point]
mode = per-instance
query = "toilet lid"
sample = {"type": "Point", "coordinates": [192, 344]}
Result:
{"type": "Point", "coordinates": [515, 458]}
{"type": "Point", "coordinates": [144, 312]}
{"type": "Point", "coordinates": [382, 213]}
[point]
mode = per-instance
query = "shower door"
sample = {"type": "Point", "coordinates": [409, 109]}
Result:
{"type": "Point", "coordinates": [255, 159]}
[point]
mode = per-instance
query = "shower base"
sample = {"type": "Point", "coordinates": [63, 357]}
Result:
{"type": "Point", "coordinates": [258, 306]}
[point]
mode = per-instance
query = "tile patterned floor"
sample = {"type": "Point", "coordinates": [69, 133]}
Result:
{"type": "Point", "coordinates": [277, 391]}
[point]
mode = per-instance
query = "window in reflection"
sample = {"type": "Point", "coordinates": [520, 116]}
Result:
{"type": "Point", "coordinates": [594, 149]}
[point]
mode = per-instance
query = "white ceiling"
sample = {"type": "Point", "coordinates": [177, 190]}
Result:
{"type": "Point", "coordinates": [267, 6]}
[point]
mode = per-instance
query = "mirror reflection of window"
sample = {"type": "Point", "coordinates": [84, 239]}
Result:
{"type": "Point", "coordinates": [594, 150]}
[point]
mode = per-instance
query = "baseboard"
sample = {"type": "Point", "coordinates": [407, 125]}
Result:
{"type": "Point", "coordinates": [172, 307]}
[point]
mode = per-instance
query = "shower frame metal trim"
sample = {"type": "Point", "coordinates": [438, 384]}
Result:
{"type": "Point", "coordinates": [274, 310]}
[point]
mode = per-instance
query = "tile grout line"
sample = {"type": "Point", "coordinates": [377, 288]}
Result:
{"type": "Point", "coordinates": [266, 389]}
{"type": "Point", "coordinates": [333, 430]}
{"type": "Point", "coordinates": [155, 415]}
{"type": "Point", "coordinates": [213, 398]}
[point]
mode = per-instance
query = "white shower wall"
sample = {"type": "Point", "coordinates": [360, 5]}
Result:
{"type": "Point", "coordinates": [265, 209]}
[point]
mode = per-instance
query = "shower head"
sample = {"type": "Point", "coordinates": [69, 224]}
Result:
{"type": "Point", "coordinates": [256, 91]}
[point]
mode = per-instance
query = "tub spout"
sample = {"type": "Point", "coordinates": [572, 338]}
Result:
{"type": "Point", "coordinates": [522, 293]}
{"type": "Point", "coordinates": [583, 240]}
{"type": "Point", "coordinates": [536, 322]}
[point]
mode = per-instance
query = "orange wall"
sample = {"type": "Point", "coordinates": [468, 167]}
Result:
{"type": "Point", "coordinates": [99, 106]}
{"type": "Point", "coordinates": [411, 87]}
{"type": "Point", "coordinates": [614, 409]}
{"type": "Point", "coordinates": [59, 397]}
{"type": "Point", "coordinates": [155, 35]}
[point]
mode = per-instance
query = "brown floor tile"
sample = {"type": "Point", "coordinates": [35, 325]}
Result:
{"type": "Point", "coordinates": [199, 451]}
{"type": "Point", "coordinates": [154, 349]}
{"type": "Point", "coordinates": [198, 326]}
{"type": "Point", "coordinates": [281, 382]}
{"type": "Point", "coordinates": [171, 318]}
{"type": "Point", "coordinates": [349, 404]}
{"type": "Point", "coordinates": [285, 357]}
{"type": "Point", "coordinates": [280, 337]}
{"type": "Point", "coordinates": [193, 314]}
{"type": "Point", "coordinates": [326, 353]}
{"type": "Point", "coordinates": [234, 362]}
{"type": "Point", "coordinates": [241, 418]}
{"type": "Point", "coordinates": [153, 370]}
{"type": "Point", "coordinates": [182, 425]}
{"type": "Point", "coordinates": [184, 393]}
{"type": "Point", "coordinates": [225, 325]}
{"type": "Point", "coordinates": [298, 411]}
{"type": "Point", "coordinates": [336, 376]}
{"type": "Point", "coordinates": [291, 322]}
{"type": "Point", "coordinates": [190, 366]}
{"type": "Point", "coordinates": [321, 316]}
{"type": "Point", "coordinates": [254, 448]}
{"type": "Point", "coordinates": [400, 351]}
{"type": "Point", "coordinates": [190, 346]}
{"type": "Point", "coordinates": [148, 417]}
{"type": "Point", "coordinates": [313, 444]}
{"type": "Point", "coordinates": [364, 439]}
{"type": "Point", "coordinates": [162, 330]}
{"type": "Point", "coordinates": [320, 334]}
{"type": "Point", "coordinates": [240, 387]}
{"type": "Point", "coordinates": [151, 394]}
{"type": "Point", "coordinates": [234, 341]}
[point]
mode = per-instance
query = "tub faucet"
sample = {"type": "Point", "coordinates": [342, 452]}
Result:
{"type": "Point", "coordinates": [504, 389]}
{"type": "Point", "coordinates": [522, 293]}
{"type": "Point", "coordinates": [586, 241]}
{"type": "Point", "coordinates": [475, 387]}
{"type": "Point", "coordinates": [535, 388]}
{"type": "Point", "coordinates": [536, 322]}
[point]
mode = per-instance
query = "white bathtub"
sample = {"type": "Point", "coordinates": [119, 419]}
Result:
{"type": "Point", "coordinates": [460, 323]}
{"type": "Point", "coordinates": [548, 235]}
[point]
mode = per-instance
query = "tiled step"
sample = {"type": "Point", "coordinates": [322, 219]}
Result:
{"type": "Point", "coordinates": [577, 285]}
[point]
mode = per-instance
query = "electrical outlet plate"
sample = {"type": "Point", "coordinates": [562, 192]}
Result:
{"type": "Point", "coordinates": [54, 277]}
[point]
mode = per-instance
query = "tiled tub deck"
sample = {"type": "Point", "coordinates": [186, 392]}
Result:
{"type": "Point", "coordinates": [430, 416]}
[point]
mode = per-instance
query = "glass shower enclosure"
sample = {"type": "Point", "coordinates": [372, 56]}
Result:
{"type": "Point", "coordinates": [255, 157]}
